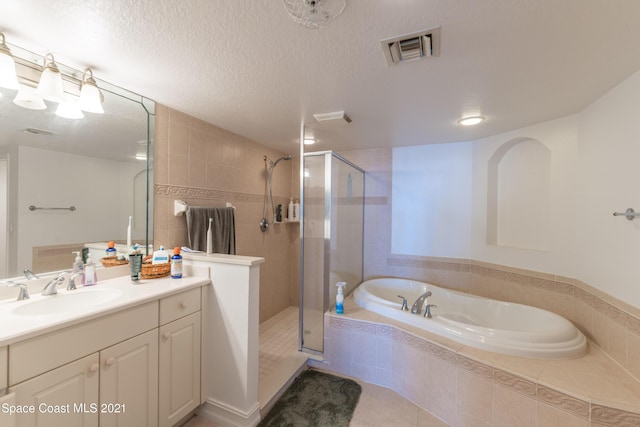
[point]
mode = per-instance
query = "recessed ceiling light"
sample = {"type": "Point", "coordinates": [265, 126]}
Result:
{"type": "Point", "coordinates": [309, 141]}
{"type": "Point", "coordinates": [470, 121]}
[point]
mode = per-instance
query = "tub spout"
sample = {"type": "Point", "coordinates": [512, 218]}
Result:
{"type": "Point", "coordinates": [416, 308]}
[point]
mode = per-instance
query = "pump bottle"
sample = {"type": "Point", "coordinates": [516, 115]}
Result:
{"type": "Point", "coordinates": [89, 276]}
{"type": "Point", "coordinates": [176, 264]}
{"type": "Point", "coordinates": [340, 297]}
{"type": "Point", "coordinates": [290, 214]}
{"type": "Point", "coordinates": [78, 266]}
{"type": "Point", "coordinates": [111, 249]}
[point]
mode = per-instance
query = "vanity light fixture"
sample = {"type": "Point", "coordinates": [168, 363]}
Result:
{"type": "Point", "coordinates": [69, 109]}
{"type": "Point", "coordinates": [90, 96]}
{"type": "Point", "coordinates": [8, 76]}
{"type": "Point", "coordinates": [50, 86]}
{"type": "Point", "coordinates": [28, 98]}
{"type": "Point", "coordinates": [471, 121]}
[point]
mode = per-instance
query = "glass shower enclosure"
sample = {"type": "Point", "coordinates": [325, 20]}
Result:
{"type": "Point", "coordinates": [332, 236]}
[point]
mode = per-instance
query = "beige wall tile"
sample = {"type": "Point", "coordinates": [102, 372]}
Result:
{"type": "Point", "coordinates": [617, 342]}
{"type": "Point", "coordinates": [475, 396]}
{"type": "Point", "coordinates": [442, 387]}
{"type": "Point", "coordinates": [633, 352]}
{"type": "Point", "coordinates": [548, 416]}
{"type": "Point", "coordinates": [512, 409]}
{"type": "Point", "coordinates": [209, 166]}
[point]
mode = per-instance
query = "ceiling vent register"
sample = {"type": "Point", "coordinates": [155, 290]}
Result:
{"type": "Point", "coordinates": [412, 47]}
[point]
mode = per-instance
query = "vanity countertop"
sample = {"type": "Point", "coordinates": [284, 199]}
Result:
{"type": "Point", "coordinates": [19, 322]}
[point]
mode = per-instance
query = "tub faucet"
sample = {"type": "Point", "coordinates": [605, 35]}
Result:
{"type": "Point", "coordinates": [52, 287]}
{"type": "Point", "coordinates": [416, 308]}
{"type": "Point", "coordinates": [427, 310]}
{"type": "Point", "coordinates": [404, 303]}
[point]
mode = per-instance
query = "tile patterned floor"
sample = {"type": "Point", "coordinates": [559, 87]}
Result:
{"type": "Point", "coordinates": [377, 407]}
{"type": "Point", "coordinates": [278, 339]}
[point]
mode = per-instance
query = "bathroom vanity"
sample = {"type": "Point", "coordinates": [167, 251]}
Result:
{"type": "Point", "coordinates": [132, 358]}
{"type": "Point", "coordinates": [126, 354]}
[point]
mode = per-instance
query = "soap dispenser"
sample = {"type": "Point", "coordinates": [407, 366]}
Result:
{"type": "Point", "coordinates": [89, 276]}
{"type": "Point", "coordinates": [77, 263]}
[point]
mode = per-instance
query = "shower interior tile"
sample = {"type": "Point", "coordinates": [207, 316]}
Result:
{"type": "Point", "coordinates": [279, 360]}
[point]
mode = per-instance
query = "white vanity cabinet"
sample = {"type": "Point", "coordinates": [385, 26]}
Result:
{"type": "Point", "coordinates": [137, 367]}
{"type": "Point", "coordinates": [3, 370]}
{"type": "Point", "coordinates": [61, 397]}
{"type": "Point", "coordinates": [116, 387]}
{"type": "Point", "coordinates": [179, 357]}
{"type": "Point", "coordinates": [129, 382]}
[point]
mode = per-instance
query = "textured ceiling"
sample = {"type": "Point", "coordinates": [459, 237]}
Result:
{"type": "Point", "coordinates": [245, 66]}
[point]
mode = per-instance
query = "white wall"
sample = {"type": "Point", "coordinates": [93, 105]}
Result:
{"type": "Point", "coordinates": [559, 136]}
{"type": "Point", "coordinates": [608, 179]}
{"type": "Point", "coordinates": [431, 200]}
{"type": "Point", "coordinates": [46, 179]}
{"type": "Point", "coordinates": [594, 171]}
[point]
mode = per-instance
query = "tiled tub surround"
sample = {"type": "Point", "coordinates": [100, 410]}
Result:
{"type": "Point", "coordinates": [464, 386]}
{"type": "Point", "coordinates": [611, 324]}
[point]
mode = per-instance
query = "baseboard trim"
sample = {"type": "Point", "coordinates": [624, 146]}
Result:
{"type": "Point", "coordinates": [229, 416]}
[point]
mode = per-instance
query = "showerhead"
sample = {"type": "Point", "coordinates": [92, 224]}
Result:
{"type": "Point", "coordinates": [273, 164]}
{"type": "Point", "coordinates": [287, 157]}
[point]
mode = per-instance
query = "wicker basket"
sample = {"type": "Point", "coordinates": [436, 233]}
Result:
{"type": "Point", "coordinates": [154, 271]}
{"type": "Point", "coordinates": [112, 261]}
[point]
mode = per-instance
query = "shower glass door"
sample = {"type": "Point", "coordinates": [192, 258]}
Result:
{"type": "Point", "coordinates": [333, 222]}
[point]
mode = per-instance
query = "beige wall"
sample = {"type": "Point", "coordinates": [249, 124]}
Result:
{"type": "Point", "coordinates": [209, 166]}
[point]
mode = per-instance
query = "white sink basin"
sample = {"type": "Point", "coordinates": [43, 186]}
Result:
{"type": "Point", "coordinates": [67, 302]}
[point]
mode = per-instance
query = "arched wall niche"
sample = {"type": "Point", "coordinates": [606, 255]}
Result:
{"type": "Point", "coordinates": [519, 194]}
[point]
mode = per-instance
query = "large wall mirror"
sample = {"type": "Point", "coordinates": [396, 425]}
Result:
{"type": "Point", "coordinates": [68, 183]}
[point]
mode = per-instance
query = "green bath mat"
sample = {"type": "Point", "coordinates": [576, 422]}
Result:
{"type": "Point", "coordinates": [315, 399]}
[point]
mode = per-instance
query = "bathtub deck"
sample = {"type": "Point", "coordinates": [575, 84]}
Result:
{"type": "Point", "coordinates": [589, 388]}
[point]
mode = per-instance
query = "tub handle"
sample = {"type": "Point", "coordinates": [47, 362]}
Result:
{"type": "Point", "coordinates": [427, 310]}
{"type": "Point", "coordinates": [404, 303]}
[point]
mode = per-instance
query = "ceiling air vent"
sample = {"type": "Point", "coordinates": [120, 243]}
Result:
{"type": "Point", "coordinates": [411, 47]}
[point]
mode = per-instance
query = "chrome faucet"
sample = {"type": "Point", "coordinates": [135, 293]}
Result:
{"type": "Point", "coordinates": [427, 310]}
{"type": "Point", "coordinates": [29, 274]}
{"type": "Point", "coordinates": [23, 295]}
{"type": "Point", "coordinates": [404, 303]}
{"type": "Point", "coordinates": [416, 308]}
{"type": "Point", "coordinates": [72, 281]}
{"type": "Point", "coordinates": [52, 287]}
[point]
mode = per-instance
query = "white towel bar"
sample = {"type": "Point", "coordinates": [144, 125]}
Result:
{"type": "Point", "coordinates": [180, 207]}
